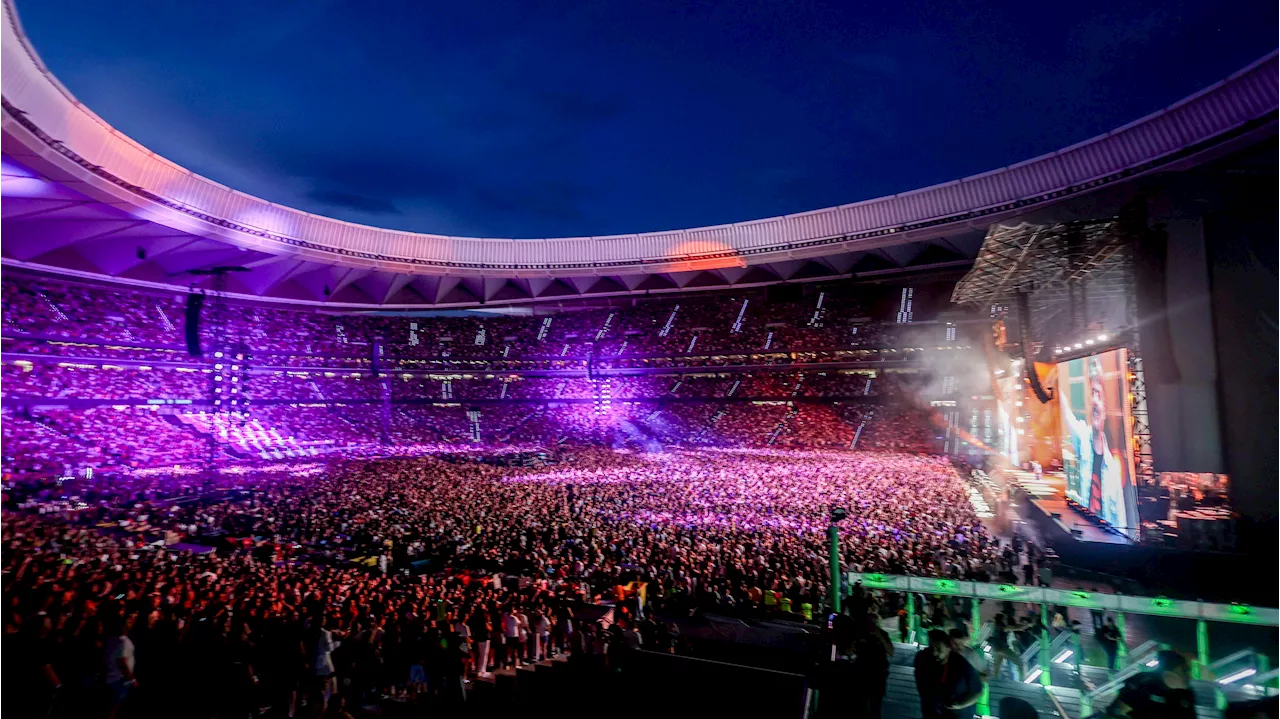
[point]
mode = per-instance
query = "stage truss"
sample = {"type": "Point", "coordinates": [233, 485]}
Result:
{"type": "Point", "coordinates": [1064, 268]}
{"type": "Point", "coordinates": [1039, 258]}
{"type": "Point", "coordinates": [1143, 459]}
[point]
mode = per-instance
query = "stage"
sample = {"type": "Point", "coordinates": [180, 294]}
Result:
{"type": "Point", "coordinates": [1048, 495]}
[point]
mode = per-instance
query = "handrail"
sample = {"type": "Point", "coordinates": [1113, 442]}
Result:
{"type": "Point", "coordinates": [1054, 646]}
{"type": "Point", "coordinates": [1142, 650]}
{"type": "Point", "coordinates": [1260, 680]}
{"type": "Point", "coordinates": [1137, 667]}
{"type": "Point", "coordinates": [1214, 666]}
{"type": "Point", "coordinates": [1156, 606]}
{"type": "Point", "coordinates": [1029, 654]}
{"type": "Point", "coordinates": [1057, 705]}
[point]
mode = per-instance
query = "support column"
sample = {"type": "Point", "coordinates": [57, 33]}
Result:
{"type": "Point", "coordinates": [1202, 649]}
{"type": "Point", "coordinates": [1077, 647]}
{"type": "Point", "coordinates": [975, 620]}
{"type": "Point", "coordinates": [912, 621]}
{"type": "Point", "coordinates": [1046, 661]}
{"type": "Point", "coordinates": [1122, 648]}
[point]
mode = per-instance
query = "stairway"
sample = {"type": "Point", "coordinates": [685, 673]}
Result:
{"type": "Point", "coordinates": [903, 702]}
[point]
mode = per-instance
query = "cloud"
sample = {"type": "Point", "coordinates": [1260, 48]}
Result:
{"type": "Point", "coordinates": [360, 203]}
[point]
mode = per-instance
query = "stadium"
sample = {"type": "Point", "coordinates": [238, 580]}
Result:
{"type": "Point", "coordinates": [1019, 427]}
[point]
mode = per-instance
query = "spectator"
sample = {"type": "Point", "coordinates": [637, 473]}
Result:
{"type": "Point", "coordinates": [948, 686]}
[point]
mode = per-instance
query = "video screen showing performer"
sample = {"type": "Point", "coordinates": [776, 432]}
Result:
{"type": "Point", "coordinates": [1096, 446]}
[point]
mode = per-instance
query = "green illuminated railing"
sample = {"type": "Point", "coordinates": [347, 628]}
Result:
{"type": "Point", "coordinates": [1200, 612]}
{"type": "Point", "coordinates": [1158, 606]}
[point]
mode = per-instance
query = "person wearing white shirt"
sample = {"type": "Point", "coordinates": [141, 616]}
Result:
{"type": "Point", "coordinates": [118, 653]}
{"type": "Point", "coordinates": [511, 635]}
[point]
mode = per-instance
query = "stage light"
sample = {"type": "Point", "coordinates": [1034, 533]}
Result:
{"type": "Point", "coordinates": [1032, 677]}
{"type": "Point", "coordinates": [1088, 342]}
{"type": "Point", "coordinates": [217, 354]}
{"type": "Point", "coordinates": [1102, 338]}
{"type": "Point", "coordinates": [217, 366]}
{"type": "Point", "coordinates": [1078, 345]}
{"type": "Point", "coordinates": [1153, 662]}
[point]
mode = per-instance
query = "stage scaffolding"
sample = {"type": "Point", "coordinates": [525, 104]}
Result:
{"type": "Point", "coordinates": [1076, 277]}
{"type": "Point", "coordinates": [1074, 273]}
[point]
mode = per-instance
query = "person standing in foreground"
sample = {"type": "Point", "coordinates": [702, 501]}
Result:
{"type": "Point", "coordinates": [118, 653]}
{"type": "Point", "coordinates": [948, 685]}
{"type": "Point", "coordinates": [873, 650]}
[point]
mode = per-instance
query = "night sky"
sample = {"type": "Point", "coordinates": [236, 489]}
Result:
{"type": "Point", "coordinates": [538, 119]}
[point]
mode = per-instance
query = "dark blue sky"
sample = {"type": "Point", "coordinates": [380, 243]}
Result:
{"type": "Point", "coordinates": [536, 119]}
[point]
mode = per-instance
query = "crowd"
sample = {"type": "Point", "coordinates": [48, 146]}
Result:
{"type": "Point", "coordinates": [88, 379]}
{"type": "Point", "coordinates": [64, 417]}
{"type": "Point", "coordinates": [136, 576]}
{"type": "Point", "coordinates": [825, 318]}
{"type": "Point", "coordinates": [362, 579]}
{"type": "Point", "coordinates": [68, 440]}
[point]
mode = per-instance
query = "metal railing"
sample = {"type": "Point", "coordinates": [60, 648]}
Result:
{"type": "Point", "coordinates": [1137, 666]}
{"type": "Point", "coordinates": [1057, 705]}
{"type": "Point", "coordinates": [1139, 660]}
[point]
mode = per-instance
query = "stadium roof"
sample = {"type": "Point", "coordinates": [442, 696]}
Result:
{"type": "Point", "coordinates": [82, 199]}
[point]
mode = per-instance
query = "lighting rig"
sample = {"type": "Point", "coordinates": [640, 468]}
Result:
{"type": "Point", "coordinates": [229, 367]}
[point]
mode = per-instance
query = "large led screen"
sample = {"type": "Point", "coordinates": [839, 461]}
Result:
{"type": "Point", "coordinates": [1097, 431]}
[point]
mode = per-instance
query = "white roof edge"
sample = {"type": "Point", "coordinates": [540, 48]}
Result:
{"type": "Point", "coordinates": [1217, 110]}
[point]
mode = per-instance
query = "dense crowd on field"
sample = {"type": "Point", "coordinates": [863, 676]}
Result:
{"type": "Point", "coordinates": [372, 564]}
{"type": "Point", "coordinates": [359, 579]}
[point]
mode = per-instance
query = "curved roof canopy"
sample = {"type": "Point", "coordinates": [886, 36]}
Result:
{"type": "Point", "coordinates": [79, 197]}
